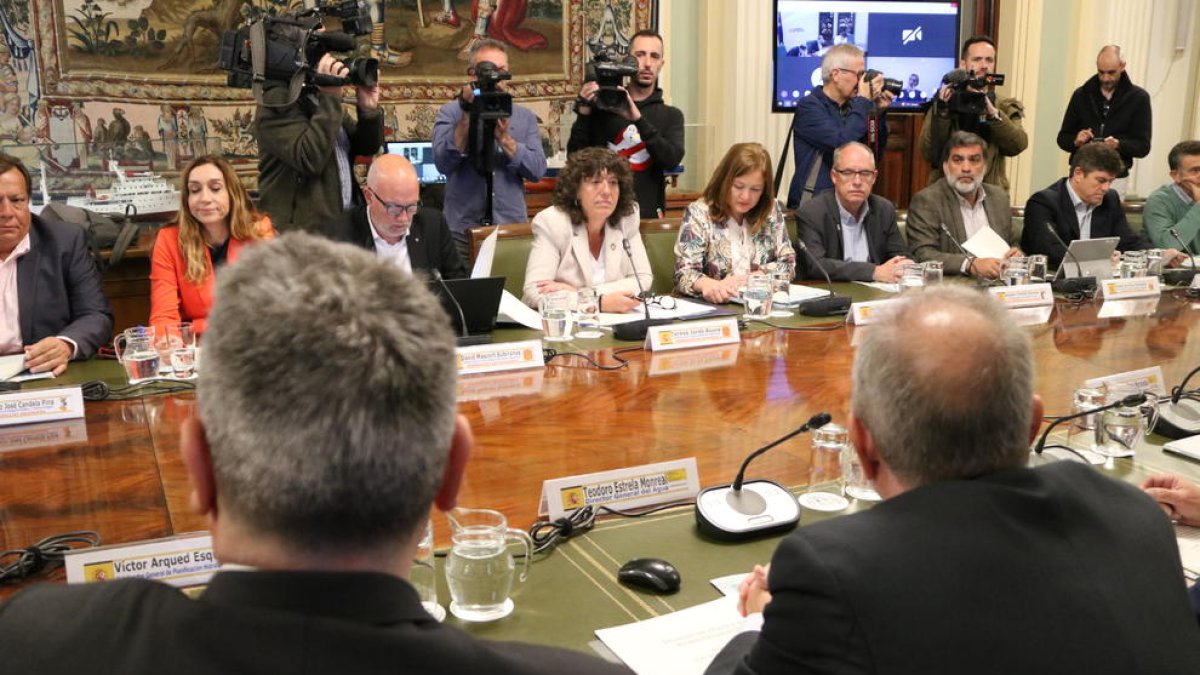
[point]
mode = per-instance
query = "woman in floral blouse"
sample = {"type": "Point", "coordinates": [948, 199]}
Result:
{"type": "Point", "coordinates": [735, 230]}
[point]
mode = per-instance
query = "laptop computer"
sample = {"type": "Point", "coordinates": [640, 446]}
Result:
{"type": "Point", "coordinates": [479, 300]}
{"type": "Point", "coordinates": [420, 153]}
{"type": "Point", "coordinates": [1094, 257]}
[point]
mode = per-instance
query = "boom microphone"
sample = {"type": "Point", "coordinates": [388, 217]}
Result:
{"type": "Point", "coordinates": [1127, 402]}
{"type": "Point", "coordinates": [464, 338]}
{"type": "Point", "coordinates": [1080, 284]}
{"type": "Point", "coordinates": [636, 330]}
{"type": "Point", "coordinates": [1180, 277]}
{"type": "Point", "coordinates": [833, 305]}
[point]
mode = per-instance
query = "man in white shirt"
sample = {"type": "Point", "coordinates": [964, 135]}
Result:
{"type": "Point", "coordinates": [395, 225]}
{"type": "Point", "coordinates": [943, 216]}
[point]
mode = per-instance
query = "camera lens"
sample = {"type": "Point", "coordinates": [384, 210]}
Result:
{"type": "Point", "coordinates": [363, 72]}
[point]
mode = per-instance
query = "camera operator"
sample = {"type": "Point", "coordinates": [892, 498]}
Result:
{"type": "Point", "coordinates": [998, 122]}
{"type": "Point", "coordinates": [646, 131]}
{"type": "Point", "coordinates": [517, 153]}
{"type": "Point", "coordinates": [307, 149]}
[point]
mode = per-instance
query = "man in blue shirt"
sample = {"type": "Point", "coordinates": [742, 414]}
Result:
{"type": "Point", "coordinates": [842, 110]}
{"type": "Point", "coordinates": [518, 157]}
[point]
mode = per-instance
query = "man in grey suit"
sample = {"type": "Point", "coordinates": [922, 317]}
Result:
{"type": "Point", "coordinates": [852, 232]}
{"type": "Point", "coordinates": [963, 204]}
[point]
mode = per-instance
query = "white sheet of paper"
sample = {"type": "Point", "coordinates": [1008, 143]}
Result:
{"type": "Point", "coordinates": [11, 365]}
{"type": "Point", "coordinates": [881, 285]}
{"type": "Point", "coordinates": [1189, 547]}
{"type": "Point", "coordinates": [728, 584]}
{"type": "Point", "coordinates": [986, 244]}
{"type": "Point", "coordinates": [683, 309]}
{"type": "Point", "coordinates": [513, 310]}
{"type": "Point", "coordinates": [681, 643]}
{"type": "Point", "coordinates": [487, 253]}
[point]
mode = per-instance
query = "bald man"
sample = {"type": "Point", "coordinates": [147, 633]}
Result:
{"type": "Point", "coordinates": [395, 226]}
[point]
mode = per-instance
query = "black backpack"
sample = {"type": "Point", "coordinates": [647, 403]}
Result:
{"type": "Point", "coordinates": [103, 231]}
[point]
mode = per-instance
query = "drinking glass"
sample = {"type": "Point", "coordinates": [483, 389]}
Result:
{"type": "Point", "coordinates": [757, 296]}
{"type": "Point", "coordinates": [912, 277]}
{"type": "Point", "coordinates": [587, 309]}
{"type": "Point", "coordinates": [1015, 271]}
{"type": "Point", "coordinates": [557, 318]}
{"type": "Point", "coordinates": [479, 569]}
{"type": "Point", "coordinates": [1039, 266]}
{"type": "Point", "coordinates": [933, 272]}
{"type": "Point", "coordinates": [183, 362]}
{"type": "Point", "coordinates": [1133, 264]}
{"type": "Point", "coordinates": [423, 574]}
{"type": "Point", "coordinates": [1120, 430]}
{"type": "Point", "coordinates": [825, 488]}
{"type": "Point", "coordinates": [1154, 261]}
{"type": "Point", "coordinates": [781, 289]}
{"type": "Point", "coordinates": [175, 336]}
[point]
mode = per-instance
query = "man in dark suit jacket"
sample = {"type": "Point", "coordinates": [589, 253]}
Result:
{"type": "Point", "coordinates": [973, 563]}
{"type": "Point", "coordinates": [951, 201]}
{"type": "Point", "coordinates": [55, 309]}
{"type": "Point", "coordinates": [395, 226]}
{"type": "Point", "coordinates": [851, 231]}
{"type": "Point", "coordinates": [322, 495]}
{"type": "Point", "coordinates": [1081, 206]}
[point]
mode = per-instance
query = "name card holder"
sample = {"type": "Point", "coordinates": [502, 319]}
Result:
{"type": "Point", "coordinates": [1134, 287]}
{"type": "Point", "coordinates": [693, 334]}
{"type": "Point", "coordinates": [1146, 379]}
{"type": "Point", "coordinates": [41, 405]}
{"type": "Point", "coordinates": [631, 488]}
{"type": "Point", "coordinates": [183, 561]}
{"type": "Point", "coordinates": [861, 312]}
{"type": "Point", "coordinates": [1023, 295]}
{"type": "Point", "coordinates": [500, 356]}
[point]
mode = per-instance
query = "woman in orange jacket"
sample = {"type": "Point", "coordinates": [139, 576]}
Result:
{"type": "Point", "coordinates": [216, 219]}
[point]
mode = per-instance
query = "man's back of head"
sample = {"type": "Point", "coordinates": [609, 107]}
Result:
{"type": "Point", "coordinates": [938, 414]}
{"type": "Point", "coordinates": [327, 396]}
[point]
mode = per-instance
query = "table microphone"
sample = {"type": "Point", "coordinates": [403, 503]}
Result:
{"type": "Point", "coordinates": [833, 305]}
{"type": "Point", "coordinates": [636, 330]}
{"type": "Point", "coordinates": [1180, 417]}
{"type": "Point", "coordinates": [755, 508]}
{"type": "Point", "coordinates": [464, 338]}
{"type": "Point", "coordinates": [1080, 284]}
{"type": "Point", "coordinates": [1128, 402]}
{"type": "Point", "coordinates": [1180, 277]}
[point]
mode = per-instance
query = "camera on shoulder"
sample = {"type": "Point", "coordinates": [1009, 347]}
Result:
{"type": "Point", "coordinates": [965, 98]}
{"type": "Point", "coordinates": [609, 69]}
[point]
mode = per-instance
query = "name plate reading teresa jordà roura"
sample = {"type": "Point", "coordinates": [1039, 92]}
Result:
{"type": "Point", "coordinates": [41, 405]}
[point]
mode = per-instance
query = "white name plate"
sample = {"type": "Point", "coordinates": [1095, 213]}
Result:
{"type": "Point", "coordinates": [693, 334]}
{"type": "Point", "coordinates": [501, 356]}
{"type": "Point", "coordinates": [1146, 379]}
{"type": "Point", "coordinates": [183, 561]}
{"type": "Point", "coordinates": [1135, 287]}
{"type": "Point", "coordinates": [695, 359]}
{"type": "Point", "coordinates": [1023, 295]}
{"type": "Point", "coordinates": [630, 488]}
{"type": "Point", "coordinates": [861, 312]}
{"type": "Point", "coordinates": [41, 405]}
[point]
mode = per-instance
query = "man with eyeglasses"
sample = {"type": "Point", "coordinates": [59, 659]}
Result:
{"type": "Point", "coordinates": [518, 157]}
{"type": "Point", "coordinates": [845, 108]}
{"type": "Point", "coordinates": [963, 204]}
{"type": "Point", "coordinates": [52, 307]}
{"type": "Point", "coordinates": [851, 231]}
{"type": "Point", "coordinates": [395, 225]}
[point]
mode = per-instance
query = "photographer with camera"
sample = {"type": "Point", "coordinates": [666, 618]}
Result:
{"type": "Point", "coordinates": [631, 119]}
{"type": "Point", "coordinates": [307, 141]}
{"type": "Point", "coordinates": [849, 106]}
{"type": "Point", "coordinates": [486, 173]}
{"type": "Point", "coordinates": [967, 102]}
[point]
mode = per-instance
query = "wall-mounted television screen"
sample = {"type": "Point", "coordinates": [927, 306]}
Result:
{"type": "Point", "coordinates": [915, 42]}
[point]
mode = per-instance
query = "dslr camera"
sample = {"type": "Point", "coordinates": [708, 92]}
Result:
{"type": "Point", "coordinates": [889, 83]}
{"type": "Point", "coordinates": [490, 102]}
{"type": "Point", "coordinates": [609, 69]}
{"type": "Point", "coordinates": [965, 101]}
{"type": "Point", "coordinates": [293, 44]}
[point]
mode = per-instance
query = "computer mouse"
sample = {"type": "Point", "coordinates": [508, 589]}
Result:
{"type": "Point", "coordinates": [651, 574]}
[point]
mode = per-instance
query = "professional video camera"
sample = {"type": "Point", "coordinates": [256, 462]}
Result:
{"type": "Point", "coordinates": [609, 70]}
{"type": "Point", "coordinates": [964, 100]}
{"type": "Point", "coordinates": [889, 84]}
{"type": "Point", "coordinates": [292, 46]}
{"type": "Point", "coordinates": [490, 102]}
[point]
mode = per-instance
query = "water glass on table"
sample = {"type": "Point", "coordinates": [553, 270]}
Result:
{"type": "Point", "coordinates": [1120, 430]}
{"type": "Point", "coordinates": [757, 296]}
{"type": "Point", "coordinates": [1154, 261]}
{"type": "Point", "coordinates": [177, 349]}
{"type": "Point", "coordinates": [932, 272]}
{"type": "Point", "coordinates": [781, 289]}
{"type": "Point", "coordinates": [587, 309]}
{"type": "Point", "coordinates": [423, 574]}
{"type": "Point", "coordinates": [556, 310]}
{"type": "Point", "coordinates": [1015, 271]}
{"type": "Point", "coordinates": [1133, 264]}
{"type": "Point", "coordinates": [1039, 266]}
{"type": "Point", "coordinates": [912, 277]}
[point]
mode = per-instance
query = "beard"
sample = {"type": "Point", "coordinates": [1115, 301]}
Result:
{"type": "Point", "coordinates": [967, 189]}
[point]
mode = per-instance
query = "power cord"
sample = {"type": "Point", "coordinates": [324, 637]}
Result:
{"type": "Point", "coordinates": [818, 328]}
{"type": "Point", "coordinates": [47, 552]}
{"type": "Point", "coordinates": [99, 390]}
{"type": "Point", "coordinates": [546, 534]}
{"type": "Point", "coordinates": [550, 354]}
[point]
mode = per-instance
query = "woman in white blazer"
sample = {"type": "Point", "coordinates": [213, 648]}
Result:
{"type": "Point", "coordinates": [580, 241]}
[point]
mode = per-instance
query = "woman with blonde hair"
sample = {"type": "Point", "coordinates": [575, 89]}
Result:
{"type": "Point", "coordinates": [734, 230]}
{"type": "Point", "coordinates": [216, 219]}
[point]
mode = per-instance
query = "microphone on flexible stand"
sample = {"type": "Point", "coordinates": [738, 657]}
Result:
{"type": "Point", "coordinates": [749, 509]}
{"type": "Point", "coordinates": [1080, 284]}
{"type": "Point", "coordinates": [1180, 417]}
{"type": "Point", "coordinates": [833, 305]}
{"type": "Point", "coordinates": [1180, 277]}
{"type": "Point", "coordinates": [464, 338]}
{"type": "Point", "coordinates": [636, 330]}
{"type": "Point", "coordinates": [981, 281]}
{"type": "Point", "coordinates": [1128, 402]}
